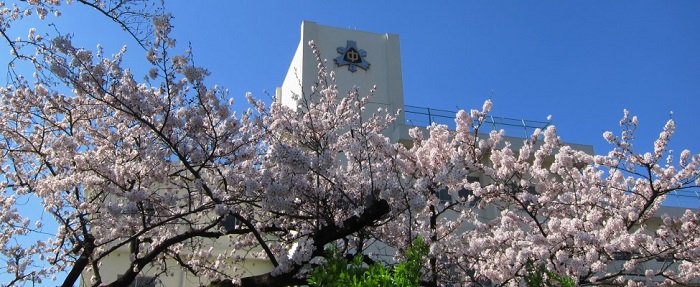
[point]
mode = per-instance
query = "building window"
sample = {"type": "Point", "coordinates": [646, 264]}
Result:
{"type": "Point", "coordinates": [668, 257]}
{"type": "Point", "coordinates": [143, 281]}
{"type": "Point", "coordinates": [229, 223]}
{"type": "Point", "coordinates": [622, 255]}
{"type": "Point", "coordinates": [463, 194]}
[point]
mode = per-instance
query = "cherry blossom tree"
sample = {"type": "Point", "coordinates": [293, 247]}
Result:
{"type": "Point", "coordinates": [150, 166]}
{"type": "Point", "coordinates": [594, 218]}
{"type": "Point", "coordinates": [164, 169]}
{"type": "Point", "coordinates": [159, 166]}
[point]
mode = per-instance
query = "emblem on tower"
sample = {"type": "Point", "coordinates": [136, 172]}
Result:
{"type": "Point", "coordinates": [352, 57]}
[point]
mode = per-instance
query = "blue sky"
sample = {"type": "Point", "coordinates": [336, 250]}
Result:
{"type": "Point", "coordinates": [582, 62]}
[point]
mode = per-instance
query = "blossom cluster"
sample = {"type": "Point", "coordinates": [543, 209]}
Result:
{"type": "Point", "coordinates": [162, 170]}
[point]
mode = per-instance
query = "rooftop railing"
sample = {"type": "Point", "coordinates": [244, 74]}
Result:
{"type": "Point", "coordinates": [422, 117]}
{"type": "Point", "coordinates": [683, 198]}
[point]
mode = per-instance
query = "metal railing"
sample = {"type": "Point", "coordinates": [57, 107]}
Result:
{"type": "Point", "coordinates": [683, 198]}
{"type": "Point", "coordinates": [423, 116]}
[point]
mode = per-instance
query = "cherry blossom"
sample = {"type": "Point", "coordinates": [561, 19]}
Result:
{"type": "Point", "coordinates": [163, 170]}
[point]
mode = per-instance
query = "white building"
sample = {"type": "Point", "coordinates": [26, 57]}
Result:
{"type": "Point", "coordinates": [360, 60]}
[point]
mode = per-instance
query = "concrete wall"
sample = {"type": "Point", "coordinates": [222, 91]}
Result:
{"type": "Point", "coordinates": [176, 277]}
{"type": "Point", "coordinates": [382, 52]}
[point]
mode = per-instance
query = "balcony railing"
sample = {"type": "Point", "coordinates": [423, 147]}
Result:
{"type": "Point", "coordinates": [422, 117]}
{"type": "Point", "coordinates": [683, 198]}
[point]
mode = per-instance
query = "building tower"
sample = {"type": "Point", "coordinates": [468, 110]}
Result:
{"type": "Point", "coordinates": [359, 59]}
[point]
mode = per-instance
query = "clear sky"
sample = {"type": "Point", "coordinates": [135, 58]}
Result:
{"type": "Point", "coordinates": [582, 62]}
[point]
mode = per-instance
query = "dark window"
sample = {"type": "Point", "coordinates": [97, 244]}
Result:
{"type": "Point", "coordinates": [143, 281]}
{"type": "Point", "coordinates": [665, 258]}
{"type": "Point", "coordinates": [621, 255]}
{"type": "Point", "coordinates": [229, 223]}
{"type": "Point", "coordinates": [477, 278]}
{"type": "Point", "coordinates": [444, 196]}
{"type": "Point", "coordinates": [532, 190]}
{"type": "Point", "coordinates": [463, 193]}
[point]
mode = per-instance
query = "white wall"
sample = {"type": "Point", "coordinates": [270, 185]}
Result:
{"type": "Point", "coordinates": [383, 54]}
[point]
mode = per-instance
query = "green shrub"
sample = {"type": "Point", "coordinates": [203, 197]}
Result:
{"type": "Point", "coordinates": [339, 272]}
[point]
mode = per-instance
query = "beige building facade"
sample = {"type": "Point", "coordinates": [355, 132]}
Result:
{"type": "Point", "coordinates": [360, 60]}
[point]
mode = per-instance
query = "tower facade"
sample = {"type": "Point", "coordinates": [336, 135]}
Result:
{"type": "Point", "coordinates": [359, 59]}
